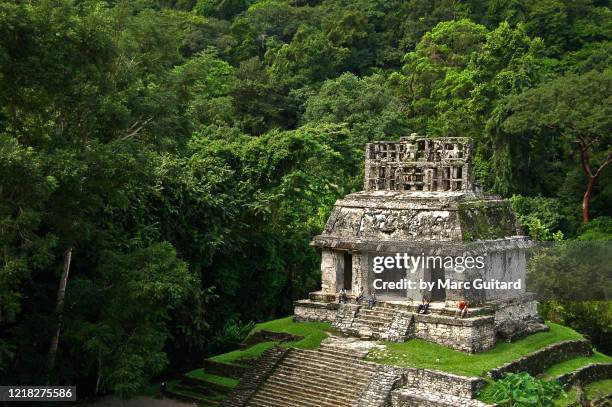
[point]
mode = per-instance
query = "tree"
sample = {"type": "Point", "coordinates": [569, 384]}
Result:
{"type": "Point", "coordinates": [366, 105]}
{"type": "Point", "coordinates": [577, 110]}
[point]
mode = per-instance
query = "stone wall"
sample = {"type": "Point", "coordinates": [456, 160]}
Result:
{"type": "Point", "coordinates": [377, 392]}
{"type": "Point", "coordinates": [255, 377]}
{"type": "Point", "coordinates": [518, 319]}
{"type": "Point", "coordinates": [345, 317]}
{"type": "Point", "coordinates": [467, 335]}
{"type": "Point", "coordinates": [401, 327]}
{"type": "Point", "coordinates": [268, 336]}
{"type": "Point", "coordinates": [306, 310]}
{"type": "Point", "coordinates": [442, 386]}
{"type": "Point", "coordinates": [435, 380]}
{"type": "Point", "coordinates": [536, 362]}
{"type": "Point", "coordinates": [224, 369]}
{"type": "Point", "coordinates": [587, 374]}
{"type": "Point", "coordinates": [418, 398]}
{"type": "Point", "coordinates": [332, 270]}
{"type": "Point", "coordinates": [515, 311]}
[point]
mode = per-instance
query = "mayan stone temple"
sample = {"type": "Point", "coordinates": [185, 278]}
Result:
{"type": "Point", "coordinates": [419, 200]}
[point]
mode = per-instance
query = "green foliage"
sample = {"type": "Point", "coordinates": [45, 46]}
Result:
{"type": "Point", "coordinates": [366, 105]}
{"type": "Point", "coordinates": [230, 336]}
{"type": "Point", "coordinates": [187, 151]}
{"type": "Point", "coordinates": [594, 318]}
{"type": "Point", "coordinates": [598, 229]}
{"type": "Point", "coordinates": [543, 218]}
{"type": "Point", "coordinates": [521, 390]}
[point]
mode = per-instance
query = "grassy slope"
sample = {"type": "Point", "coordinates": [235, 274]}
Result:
{"type": "Point", "coordinates": [250, 353]}
{"type": "Point", "coordinates": [593, 390]}
{"type": "Point", "coordinates": [211, 378]}
{"type": "Point", "coordinates": [313, 333]}
{"type": "Point", "coordinates": [419, 353]}
{"type": "Point", "coordinates": [574, 364]}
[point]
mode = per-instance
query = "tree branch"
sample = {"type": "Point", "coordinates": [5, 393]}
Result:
{"type": "Point", "coordinates": [135, 129]}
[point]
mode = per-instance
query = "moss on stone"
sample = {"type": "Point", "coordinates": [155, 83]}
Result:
{"type": "Point", "coordinates": [486, 220]}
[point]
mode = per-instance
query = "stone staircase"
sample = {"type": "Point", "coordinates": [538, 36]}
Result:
{"type": "Point", "coordinates": [327, 377]}
{"type": "Point", "coordinates": [373, 323]}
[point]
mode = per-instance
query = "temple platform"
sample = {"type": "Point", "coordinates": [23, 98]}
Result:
{"type": "Point", "coordinates": [398, 321]}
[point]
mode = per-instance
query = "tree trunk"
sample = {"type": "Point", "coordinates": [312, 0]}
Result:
{"type": "Point", "coordinates": [99, 379]}
{"type": "Point", "coordinates": [59, 308]}
{"type": "Point", "coordinates": [587, 199]}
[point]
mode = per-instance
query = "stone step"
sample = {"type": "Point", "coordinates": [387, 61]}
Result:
{"type": "Point", "coordinates": [315, 390]}
{"type": "Point", "coordinates": [328, 377]}
{"type": "Point", "coordinates": [294, 373]}
{"type": "Point", "coordinates": [354, 366]}
{"type": "Point", "coordinates": [324, 357]}
{"type": "Point", "coordinates": [373, 322]}
{"type": "Point", "coordinates": [300, 399]}
{"type": "Point", "coordinates": [376, 317]}
{"type": "Point", "coordinates": [262, 399]}
{"type": "Point", "coordinates": [325, 384]}
{"type": "Point", "coordinates": [378, 312]}
{"type": "Point", "coordinates": [337, 352]}
{"type": "Point", "coordinates": [340, 371]}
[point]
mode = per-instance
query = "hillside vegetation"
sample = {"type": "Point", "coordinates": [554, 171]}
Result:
{"type": "Point", "coordinates": [165, 163]}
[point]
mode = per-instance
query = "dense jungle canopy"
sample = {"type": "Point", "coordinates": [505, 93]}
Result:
{"type": "Point", "coordinates": [165, 163]}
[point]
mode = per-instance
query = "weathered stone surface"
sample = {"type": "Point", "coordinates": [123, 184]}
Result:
{"type": "Point", "coordinates": [467, 335]}
{"type": "Point", "coordinates": [377, 392]}
{"type": "Point", "coordinates": [401, 328]}
{"type": "Point", "coordinates": [437, 381]}
{"type": "Point", "coordinates": [254, 378]}
{"type": "Point", "coordinates": [266, 336]}
{"type": "Point", "coordinates": [326, 377]}
{"type": "Point", "coordinates": [306, 310]}
{"type": "Point", "coordinates": [538, 361]}
{"type": "Point", "coordinates": [423, 216]}
{"type": "Point", "coordinates": [587, 374]}
{"type": "Point", "coordinates": [224, 369]}
{"type": "Point", "coordinates": [418, 164]}
{"type": "Point", "coordinates": [345, 317]}
{"type": "Point", "coordinates": [412, 397]}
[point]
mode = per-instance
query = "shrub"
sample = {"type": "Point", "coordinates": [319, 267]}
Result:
{"type": "Point", "coordinates": [522, 390]}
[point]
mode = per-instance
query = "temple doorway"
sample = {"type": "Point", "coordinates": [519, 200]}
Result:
{"type": "Point", "coordinates": [348, 271]}
{"type": "Point", "coordinates": [438, 293]}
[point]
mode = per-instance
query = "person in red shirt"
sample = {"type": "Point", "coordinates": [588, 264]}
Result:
{"type": "Point", "coordinates": [462, 307]}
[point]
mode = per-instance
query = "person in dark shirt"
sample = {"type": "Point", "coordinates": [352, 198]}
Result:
{"type": "Point", "coordinates": [424, 306]}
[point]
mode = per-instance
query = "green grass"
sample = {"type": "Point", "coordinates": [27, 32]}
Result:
{"type": "Point", "coordinates": [574, 364]}
{"type": "Point", "coordinates": [422, 354]}
{"type": "Point", "coordinates": [313, 332]}
{"type": "Point", "coordinates": [235, 356]}
{"type": "Point", "coordinates": [211, 378]}
{"type": "Point", "coordinates": [593, 390]}
{"type": "Point", "coordinates": [599, 389]}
